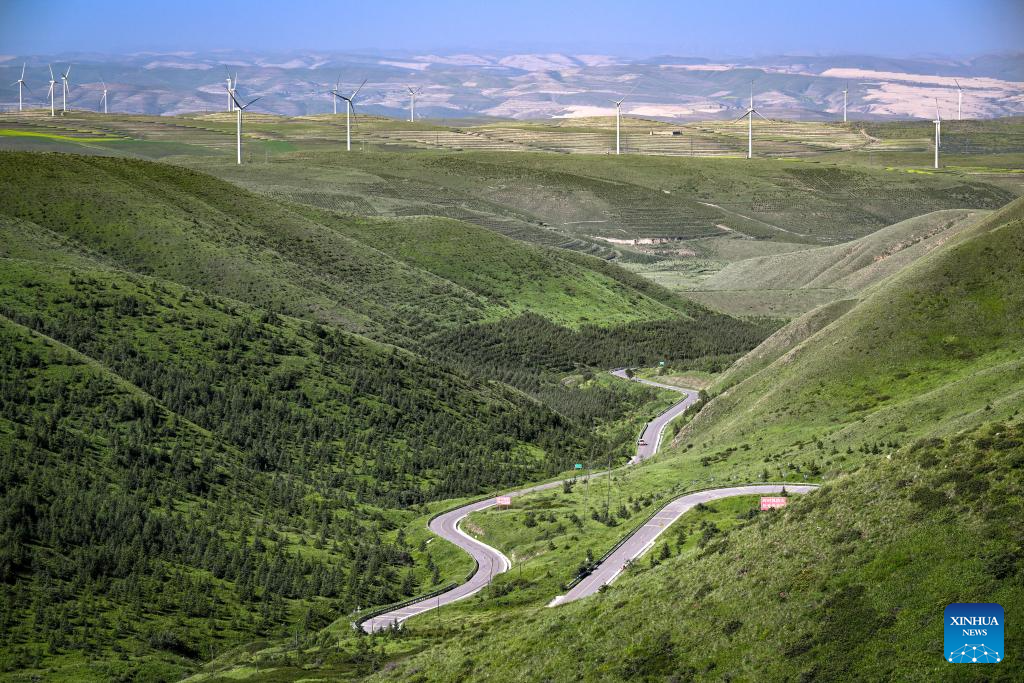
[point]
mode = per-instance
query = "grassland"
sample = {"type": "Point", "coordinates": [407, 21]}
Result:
{"type": "Point", "coordinates": [256, 391]}
{"type": "Point", "coordinates": [906, 404]}
{"type": "Point", "coordinates": [338, 342]}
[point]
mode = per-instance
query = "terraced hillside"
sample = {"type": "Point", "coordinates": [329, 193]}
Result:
{"type": "Point", "coordinates": [654, 204]}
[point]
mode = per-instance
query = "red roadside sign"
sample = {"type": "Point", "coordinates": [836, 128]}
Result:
{"type": "Point", "coordinates": [503, 501]}
{"type": "Point", "coordinates": [772, 502]}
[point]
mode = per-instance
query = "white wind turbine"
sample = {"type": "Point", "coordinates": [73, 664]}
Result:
{"type": "Point", "coordinates": [334, 100]}
{"type": "Point", "coordinates": [350, 106]}
{"type": "Point", "coordinates": [239, 108]}
{"type": "Point", "coordinates": [959, 100]}
{"type": "Point", "coordinates": [619, 110]}
{"type": "Point", "coordinates": [938, 131]}
{"type": "Point", "coordinates": [104, 98]}
{"type": "Point", "coordinates": [749, 116]}
{"type": "Point", "coordinates": [66, 90]}
{"type": "Point", "coordinates": [412, 102]}
{"type": "Point", "coordinates": [21, 84]}
{"type": "Point", "coordinates": [845, 91]}
{"type": "Point", "coordinates": [53, 85]}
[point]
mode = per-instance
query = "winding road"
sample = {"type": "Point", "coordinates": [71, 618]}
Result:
{"type": "Point", "coordinates": [491, 562]}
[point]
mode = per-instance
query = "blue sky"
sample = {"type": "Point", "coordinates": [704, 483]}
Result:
{"type": "Point", "coordinates": [737, 27]}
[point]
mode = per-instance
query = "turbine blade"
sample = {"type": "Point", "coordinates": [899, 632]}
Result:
{"type": "Point", "coordinates": [51, 71]}
{"type": "Point", "coordinates": [758, 113]}
{"type": "Point", "coordinates": [356, 91]}
{"type": "Point", "coordinates": [742, 117]}
{"type": "Point", "coordinates": [235, 100]}
{"type": "Point", "coordinates": [250, 102]}
{"type": "Point", "coordinates": [23, 71]}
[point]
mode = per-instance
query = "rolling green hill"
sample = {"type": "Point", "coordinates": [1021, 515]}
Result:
{"type": "Point", "coordinates": [948, 325]}
{"type": "Point", "coordinates": [907, 405]}
{"type": "Point", "coordinates": [221, 414]}
{"type": "Point", "coordinates": [256, 458]}
{"type": "Point", "coordinates": [851, 266]}
{"type": "Point", "coordinates": [849, 583]}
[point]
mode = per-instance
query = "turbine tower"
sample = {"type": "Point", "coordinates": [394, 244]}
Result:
{"type": "Point", "coordinates": [412, 102]}
{"type": "Point", "coordinates": [21, 84]}
{"type": "Point", "coordinates": [938, 131]}
{"type": "Point", "coordinates": [749, 116]}
{"type": "Point", "coordinates": [239, 108]}
{"type": "Point", "coordinates": [959, 100]}
{"type": "Point", "coordinates": [349, 107]}
{"type": "Point", "coordinates": [845, 91]}
{"type": "Point", "coordinates": [53, 85]}
{"type": "Point", "coordinates": [334, 100]}
{"type": "Point", "coordinates": [104, 98]}
{"type": "Point", "coordinates": [618, 113]}
{"type": "Point", "coordinates": [66, 90]}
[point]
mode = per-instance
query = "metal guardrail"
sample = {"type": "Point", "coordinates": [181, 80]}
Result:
{"type": "Point", "coordinates": [377, 611]}
{"type": "Point", "coordinates": [572, 584]}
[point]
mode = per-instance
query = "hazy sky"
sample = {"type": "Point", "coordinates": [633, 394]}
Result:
{"type": "Point", "coordinates": [736, 27]}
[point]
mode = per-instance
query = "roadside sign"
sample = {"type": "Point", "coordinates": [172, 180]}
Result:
{"type": "Point", "coordinates": [579, 466]}
{"type": "Point", "coordinates": [772, 502]}
{"type": "Point", "coordinates": [503, 501]}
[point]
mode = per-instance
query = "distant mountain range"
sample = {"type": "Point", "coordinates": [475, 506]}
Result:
{"type": "Point", "coordinates": [533, 85]}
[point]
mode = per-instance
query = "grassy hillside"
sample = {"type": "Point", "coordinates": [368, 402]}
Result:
{"type": "Point", "coordinates": [850, 266]}
{"type": "Point", "coordinates": [907, 405]}
{"type": "Point", "coordinates": [599, 197]}
{"type": "Point", "coordinates": [949, 324]}
{"type": "Point", "coordinates": [414, 281]}
{"type": "Point", "coordinates": [258, 458]}
{"type": "Point", "coordinates": [919, 483]}
{"type": "Point", "coordinates": [849, 583]}
{"type": "Point", "coordinates": [198, 451]}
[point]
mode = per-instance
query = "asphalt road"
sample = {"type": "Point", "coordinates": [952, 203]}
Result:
{"type": "Point", "coordinates": [654, 429]}
{"type": "Point", "coordinates": [645, 536]}
{"type": "Point", "coordinates": [491, 562]}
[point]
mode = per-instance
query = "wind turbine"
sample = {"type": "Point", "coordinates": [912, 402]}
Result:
{"type": "Point", "coordinates": [749, 115]}
{"type": "Point", "coordinates": [66, 83]}
{"type": "Point", "coordinates": [239, 108]}
{"type": "Point", "coordinates": [231, 88]}
{"type": "Point", "coordinates": [349, 107]}
{"type": "Point", "coordinates": [334, 100]}
{"type": "Point", "coordinates": [618, 114]}
{"type": "Point", "coordinates": [959, 99]}
{"type": "Point", "coordinates": [845, 91]}
{"type": "Point", "coordinates": [412, 102]}
{"type": "Point", "coordinates": [104, 98]}
{"type": "Point", "coordinates": [938, 131]}
{"type": "Point", "coordinates": [21, 84]}
{"type": "Point", "coordinates": [53, 84]}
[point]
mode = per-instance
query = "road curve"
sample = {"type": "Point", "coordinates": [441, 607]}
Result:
{"type": "Point", "coordinates": [490, 561]}
{"type": "Point", "coordinates": [644, 537]}
{"type": "Point", "coordinates": [650, 437]}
